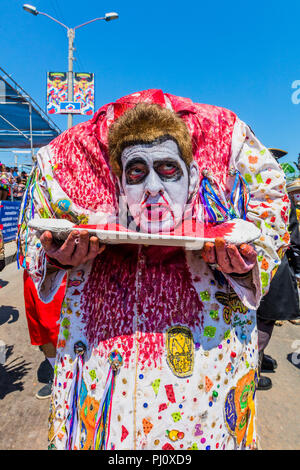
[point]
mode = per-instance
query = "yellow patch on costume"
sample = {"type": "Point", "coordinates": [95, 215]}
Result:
{"type": "Point", "coordinates": [243, 396]}
{"type": "Point", "coordinates": [180, 350]}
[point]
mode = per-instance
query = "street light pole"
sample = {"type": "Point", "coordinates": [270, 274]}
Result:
{"type": "Point", "coordinates": [71, 36]}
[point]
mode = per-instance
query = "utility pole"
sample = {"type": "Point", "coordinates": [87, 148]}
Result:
{"type": "Point", "coordinates": [71, 36]}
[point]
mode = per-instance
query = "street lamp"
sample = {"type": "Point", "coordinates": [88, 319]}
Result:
{"type": "Point", "coordinates": [30, 9]}
{"type": "Point", "coordinates": [71, 36]}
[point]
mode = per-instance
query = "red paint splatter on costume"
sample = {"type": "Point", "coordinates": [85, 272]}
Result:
{"type": "Point", "coordinates": [80, 155]}
{"type": "Point", "coordinates": [116, 305]}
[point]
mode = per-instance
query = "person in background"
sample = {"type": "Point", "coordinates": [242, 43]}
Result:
{"type": "Point", "coordinates": [282, 301]}
{"type": "Point", "coordinates": [15, 172]}
{"type": "Point", "coordinates": [2, 254]}
{"type": "Point", "coordinates": [4, 183]}
{"type": "Point", "coordinates": [18, 189]}
{"type": "Point", "coordinates": [24, 177]}
{"type": "Point", "coordinates": [293, 189]}
{"type": "Point", "coordinates": [9, 172]}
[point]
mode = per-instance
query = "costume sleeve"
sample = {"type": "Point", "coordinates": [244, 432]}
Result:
{"type": "Point", "coordinates": [43, 198]}
{"type": "Point", "coordinates": [37, 203]}
{"type": "Point", "coordinates": [268, 209]}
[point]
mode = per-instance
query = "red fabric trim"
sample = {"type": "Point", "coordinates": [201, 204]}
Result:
{"type": "Point", "coordinates": [42, 318]}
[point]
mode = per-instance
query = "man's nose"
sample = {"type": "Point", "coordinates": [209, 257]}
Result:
{"type": "Point", "coordinates": [153, 184]}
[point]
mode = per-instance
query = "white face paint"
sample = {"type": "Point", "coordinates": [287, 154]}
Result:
{"type": "Point", "coordinates": [157, 185]}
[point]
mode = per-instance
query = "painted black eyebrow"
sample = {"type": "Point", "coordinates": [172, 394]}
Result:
{"type": "Point", "coordinates": [133, 161]}
{"type": "Point", "coordinates": [166, 160]}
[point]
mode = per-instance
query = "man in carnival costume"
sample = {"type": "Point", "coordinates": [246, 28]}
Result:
{"type": "Point", "coordinates": [158, 345]}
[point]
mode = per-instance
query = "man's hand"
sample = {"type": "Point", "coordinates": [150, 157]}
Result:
{"type": "Point", "coordinates": [78, 248]}
{"type": "Point", "coordinates": [230, 258]}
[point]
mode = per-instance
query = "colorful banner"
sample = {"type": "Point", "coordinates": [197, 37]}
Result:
{"type": "Point", "coordinates": [84, 92]}
{"type": "Point", "coordinates": [70, 107]}
{"type": "Point", "coordinates": [57, 91]}
{"type": "Point", "coordinates": [9, 214]}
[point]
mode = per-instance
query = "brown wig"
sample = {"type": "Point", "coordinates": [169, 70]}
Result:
{"type": "Point", "coordinates": [146, 124]}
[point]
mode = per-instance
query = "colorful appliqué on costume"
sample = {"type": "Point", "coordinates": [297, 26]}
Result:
{"type": "Point", "coordinates": [239, 407]}
{"type": "Point", "coordinates": [232, 304]}
{"type": "Point", "coordinates": [180, 350]}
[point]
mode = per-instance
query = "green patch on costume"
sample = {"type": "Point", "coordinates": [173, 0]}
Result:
{"type": "Point", "coordinates": [259, 178]}
{"type": "Point", "coordinates": [155, 385]}
{"type": "Point", "coordinates": [248, 178]}
{"type": "Point", "coordinates": [176, 416]}
{"type": "Point", "coordinates": [66, 322]}
{"type": "Point", "coordinates": [264, 279]}
{"type": "Point", "coordinates": [227, 334]}
{"type": "Point", "coordinates": [66, 334]}
{"type": "Point", "coordinates": [93, 374]}
{"type": "Point", "coordinates": [205, 295]}
{"type": "Point", "coordinates": [214, 314]}
{"type": "Point", "coordinates": [210, 331]}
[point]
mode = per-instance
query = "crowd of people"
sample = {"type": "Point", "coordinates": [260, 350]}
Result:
{"type": "Point", "coordinates": [12, 183]}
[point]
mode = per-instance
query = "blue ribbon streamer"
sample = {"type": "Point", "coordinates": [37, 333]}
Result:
{"type": "Point", "coordinates": [208, 194]}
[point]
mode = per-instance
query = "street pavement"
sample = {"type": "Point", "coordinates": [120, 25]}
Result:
{"type": "Point", "coordinates": [23, 418]}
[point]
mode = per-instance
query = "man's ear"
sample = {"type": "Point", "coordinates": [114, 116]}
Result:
{"type": "Point", "coordinates": [194, 178]}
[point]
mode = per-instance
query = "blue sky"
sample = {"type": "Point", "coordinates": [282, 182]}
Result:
{"type": "Point", "coordinates": [239, 55]}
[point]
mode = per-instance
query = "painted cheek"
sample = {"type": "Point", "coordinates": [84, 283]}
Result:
{"type": "Point", "coordinates": [177, 192]}
{"type": "Point", "coordinates": [135, 194]}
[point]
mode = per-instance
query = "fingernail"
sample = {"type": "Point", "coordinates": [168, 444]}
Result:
{"type": "Point", "coordinates": [209, 245]}
{"type": "Point", "coordinates": [245, 249]}
{"type": "Point", "coordinates": [220, 242]}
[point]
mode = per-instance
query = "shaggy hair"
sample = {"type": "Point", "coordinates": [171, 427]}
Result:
{"type": "Point", "coordinates": [146, 124]}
